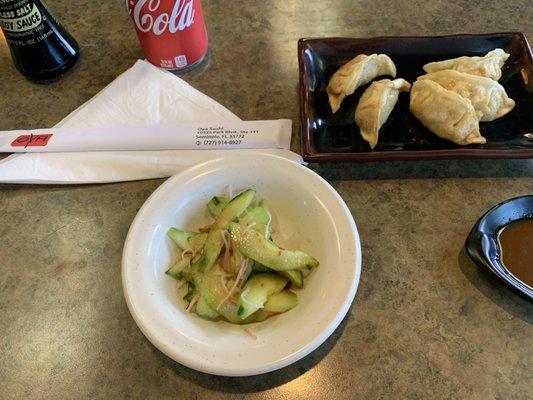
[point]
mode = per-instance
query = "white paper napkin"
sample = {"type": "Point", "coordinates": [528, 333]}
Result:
{"type": "Point", "coordinates": [143, 94]}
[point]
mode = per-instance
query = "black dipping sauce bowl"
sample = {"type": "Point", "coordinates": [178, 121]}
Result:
{"type": "Point", "coordinates": [483, 246]}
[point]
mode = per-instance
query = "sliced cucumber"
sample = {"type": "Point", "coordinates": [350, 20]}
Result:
{"type": "Point", "coordinates": [257, 219]}
{"type": "Point", "coordinates": [254, 245]}
{"type": "Point", "coordinates": [216, 205]}
{"type": "Point", "coordinates": [295, 276]}
{"type": "Point", "coordinates": [234, 209]}
{"type": "Point", "coordinates": [190, 294]}
{"type": "Point", "coordinates": [204, 311]}
{"type": "Point", "coordinates": [210, 280]}
{"type": "Point", "coordinates": [212, 247]}
{"type": "Point", "coordinates": [263, 203]}
{"type": "Point", "coordinates": [256, 292]}
{"type": "Point", "coordinates": [196, 242]}
{"type": "Point", "coordinates": [258, 316]}
{"type": "Point", "coordinates": [179, 267]}
{"type": "Point", "coordinates": [235, 262]}
{"type": "Point", "coordinates": [187, 273]}
{"type": "Point", "coordinates": [214, 242]}
{"type": "Point", "coordinates": [181, 238]}
{"type": "Point", "coordinates": [281, 301]}
{"type": "Point", "coordinates": [214, 292]}
{"type": "Point", "coordinates": [258, 267]}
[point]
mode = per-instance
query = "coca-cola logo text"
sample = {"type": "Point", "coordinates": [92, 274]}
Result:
{"type": "Point", "coordinates": [181, 17]}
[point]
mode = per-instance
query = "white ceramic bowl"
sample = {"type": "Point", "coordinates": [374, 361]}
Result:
{"type": "Point", "coordinates": [308, 215]}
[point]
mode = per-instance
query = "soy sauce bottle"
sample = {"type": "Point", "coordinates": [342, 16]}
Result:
{"type": "Point", "coordinates": [41, 48]}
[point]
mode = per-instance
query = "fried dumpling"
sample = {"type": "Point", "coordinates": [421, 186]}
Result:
{"type": "Point", "coordinates": [445, 113]}
{"type": "Point", "coordinates": [357, 72]}
{"type": "Point", "coordinates": [375, 106]}
{"type": "Point", "coordinates": [488, 97]}
{"type": "Point", "coordinates": [489, 66]}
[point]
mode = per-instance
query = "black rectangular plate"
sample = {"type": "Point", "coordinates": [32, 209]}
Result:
{"type": "Point", "coordinates": [328, 137]}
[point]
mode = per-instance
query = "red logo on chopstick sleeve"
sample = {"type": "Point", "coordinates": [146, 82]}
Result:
{"type": "Point", "coordinates": [31, 140]}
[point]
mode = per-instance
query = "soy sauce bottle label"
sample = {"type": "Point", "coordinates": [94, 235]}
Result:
{"type": "Point", "coordinates": [22, 22]}
{"type": "Point", "coordinates": [41, 48]}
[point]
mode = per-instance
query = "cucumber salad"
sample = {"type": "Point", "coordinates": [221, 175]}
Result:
{"type": "Point", "coordinates": [232, 269]}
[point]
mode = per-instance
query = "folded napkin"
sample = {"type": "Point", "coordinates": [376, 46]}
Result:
{"type": "Point", "coordinates": [144, 94]}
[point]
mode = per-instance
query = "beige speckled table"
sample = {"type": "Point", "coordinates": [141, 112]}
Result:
{"type": "Point", "coordinates": [425, 323]}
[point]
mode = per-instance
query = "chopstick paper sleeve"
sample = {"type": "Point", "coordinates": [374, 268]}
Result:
{"type": "Point", "coordinates": [188, 136]}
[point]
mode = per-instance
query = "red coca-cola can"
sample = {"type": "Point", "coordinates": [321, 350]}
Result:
{"type": "Point", "coordinates": [172, 32]}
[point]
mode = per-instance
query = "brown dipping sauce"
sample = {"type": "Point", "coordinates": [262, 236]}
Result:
{"type": "Point", "coordinates": [516, 245]}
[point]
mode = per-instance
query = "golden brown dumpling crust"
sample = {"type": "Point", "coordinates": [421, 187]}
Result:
{"type": "Point", "coordinates": [488, 97]}
{"type": "Point", "coordinates": [357, 72]}
{"type": "Point", "coordinates": [489, 66]}
{"type": "Point", "coordinates": [445, 113]}
{"type": "Point", "coordinates": [375, 106]}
